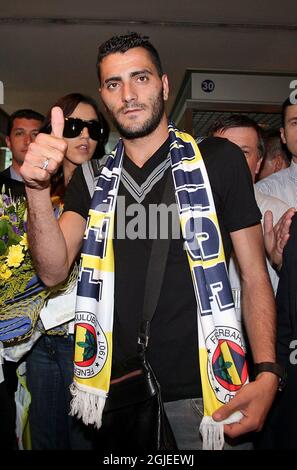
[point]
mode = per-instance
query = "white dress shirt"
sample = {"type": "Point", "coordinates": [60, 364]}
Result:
{"type": "Point", "coordinates": [282, 184]}
{"type": "Point", "coordinates": [278, 208]}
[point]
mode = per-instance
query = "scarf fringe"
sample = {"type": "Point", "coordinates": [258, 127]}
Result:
{"type": "Point", "coordinates": [212, 431]}
{"type": "Point", "coordinates": [87, 406]}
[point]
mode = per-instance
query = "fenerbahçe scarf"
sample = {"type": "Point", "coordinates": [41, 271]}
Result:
{"type": "Point", "coordinates": [221, 350]}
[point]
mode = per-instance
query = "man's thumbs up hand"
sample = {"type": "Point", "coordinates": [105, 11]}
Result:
{"type": "Point", "coordinates": [45, 154]}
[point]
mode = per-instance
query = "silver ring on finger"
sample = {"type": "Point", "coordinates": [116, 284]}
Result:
{"type": "Point", "coordinates": [45, 164]}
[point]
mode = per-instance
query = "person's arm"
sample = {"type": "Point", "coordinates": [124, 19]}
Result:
{"type": "Point", "coordinates": [53, 249]}
{"type": "Point", "coordinates": [258, 302]}
{"type": "Point", "coordinates": [254, 399]}
{"type": "Point", "coordinates": [54, 245]}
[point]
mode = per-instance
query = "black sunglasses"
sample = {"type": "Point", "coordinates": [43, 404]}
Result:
{"type": "Point", "coordinates": [74, 126]}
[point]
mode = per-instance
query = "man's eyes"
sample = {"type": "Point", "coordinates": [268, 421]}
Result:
{"type": "Point", "coordinates": [112, 85]}
{"type": "Point", "coordinates": [142, 78]}
{"type": "Point", "coordinates": [137, 78]}
{"type": "Point", "coordinates": [22, 133]}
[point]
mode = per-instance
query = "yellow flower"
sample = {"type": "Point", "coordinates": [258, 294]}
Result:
{"type": "Point", "coordinates": [24, 241]}
{"type": "Point", "coordinates": [5, 273]}
{"type": "Point", "coordinates": [4, 217]}
{"type": "Point", "coordinates": [15, 256]}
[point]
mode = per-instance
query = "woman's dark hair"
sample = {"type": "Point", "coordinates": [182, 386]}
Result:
{"type": "Point", "coordinates": [68, 103]}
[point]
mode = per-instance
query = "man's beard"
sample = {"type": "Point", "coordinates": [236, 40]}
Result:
{"type": "Point", "coordinates": [148, 126]}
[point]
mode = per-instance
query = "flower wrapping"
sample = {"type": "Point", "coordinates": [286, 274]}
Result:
{"type": "Point", "coordinates": [22, 293]}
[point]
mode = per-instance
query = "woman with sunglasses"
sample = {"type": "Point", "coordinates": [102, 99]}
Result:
{"type": "Point", "coordinates": [50, 362]}
{"type": "Point", "coordinates": [86, 132]}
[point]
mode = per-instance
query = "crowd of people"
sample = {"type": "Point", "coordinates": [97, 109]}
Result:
{"type": "Point", "coordinates": [59, 165]}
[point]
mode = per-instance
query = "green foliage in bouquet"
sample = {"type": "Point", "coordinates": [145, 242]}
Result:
{"type": "Point", "coordinates": [22, 293]}
{"type": "Point", "coordinates": [16, 267]}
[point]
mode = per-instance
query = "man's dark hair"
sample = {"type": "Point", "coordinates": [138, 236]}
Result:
{"type": "Point", "coordinates": [23, 114]}
{"type": "Point", "coordinates": [239, 120]}
{"type": "Point", "coordinates": [274, 145]}
{"type": "Point", "coordinates": [285, 106]}
{"type": "Point", "coordinates": [123, 44]}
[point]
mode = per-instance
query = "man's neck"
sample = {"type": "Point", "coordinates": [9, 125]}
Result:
{"type": "Point", "coordinates": [15, 166]}
{"type": "Point", "coordinates": [142, 149]}
{"type": "Point", "coordinates": [15, 174]}
{"type": "Point", "coordinates": [294, 159]}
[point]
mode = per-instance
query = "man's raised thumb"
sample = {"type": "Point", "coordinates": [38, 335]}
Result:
{"type": "Point", "coordinates": [57, 121]}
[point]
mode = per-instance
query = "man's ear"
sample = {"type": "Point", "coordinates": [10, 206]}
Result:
{"type": "Point", "coordinates": [258, 166]}
{"type": "Point", "coordinates": [283, 135]}
{"type": "Point", "coordinates": [278, 163]}
{"type": "Point", "coordinates": [8, 143]}
{"type": "Point", "coordinates": [165, 87]}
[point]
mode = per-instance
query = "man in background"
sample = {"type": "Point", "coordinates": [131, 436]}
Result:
{"type": "Point", "coordinates": [23, 127]}
{"type": "Point", "coordinates": [247, 134]}
{"type": "Point", "coordinates": [283, 183]}
{"type": "Point", "coordinates": [275, 156]}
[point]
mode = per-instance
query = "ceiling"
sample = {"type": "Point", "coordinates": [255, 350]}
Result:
{"type": "Point", "coordinates": [49, 49]}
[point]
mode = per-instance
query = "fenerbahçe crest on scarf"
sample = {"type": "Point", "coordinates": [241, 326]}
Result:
{"type": "Point", "coordinates": [91, 346]}
{"type": "Point", "coordinates": [227, 367]}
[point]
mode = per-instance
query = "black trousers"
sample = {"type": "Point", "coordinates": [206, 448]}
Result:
{"type": "Point", "coordinates": [7, 418]}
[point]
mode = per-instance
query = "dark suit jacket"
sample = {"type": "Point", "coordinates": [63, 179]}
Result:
{"type": "Point", "coordinates": [280, 430]}
{"type": "Point", "coordinates": [286, 298]}
{"type": "Point", "coordinates": [17, 188]}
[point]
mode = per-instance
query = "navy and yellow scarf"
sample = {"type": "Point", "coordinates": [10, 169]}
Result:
{"type": "Point", "coordinates": [221, 350]}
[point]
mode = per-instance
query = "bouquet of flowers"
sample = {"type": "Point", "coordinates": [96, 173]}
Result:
{"type": "Point", "coordinates": [22, 292]}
